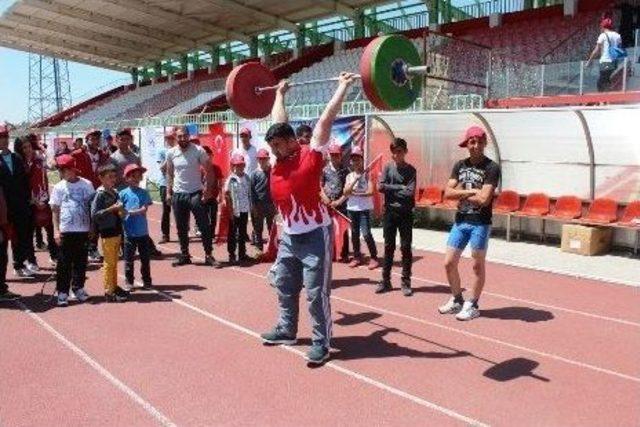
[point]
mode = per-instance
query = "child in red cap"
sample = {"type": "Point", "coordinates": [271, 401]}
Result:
{"type": "Point", "coordinates": [136, 200]}
{"type": "Point", "coordinates": [237, 190]}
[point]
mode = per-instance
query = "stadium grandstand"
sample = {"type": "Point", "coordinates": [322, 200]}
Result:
{"type": "Point", "coordinates": [560, 340]}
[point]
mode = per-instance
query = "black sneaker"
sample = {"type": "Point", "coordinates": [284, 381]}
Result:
{"type": "Point", "coordinates": [211, 261]}
{"type": "Point", "coordinates": [317, 355]}
{"type": "Point", "coordinates": [165, 239]}
{"type": "Point", "coordinates": [407, 291]}
{"type": "Point", "coordinates": [155, 253]}
{"type": "Point", "coordinates": [383, 287]}
{"type": "Point", "coordinates": [244, 258]}
{"type": "Point", "coordinates": [8, 296]}
{"type": "Point", "coordinates": [121, 292]}
{"type": "Point", "coordinates": [182, 260]}
{"type": "Point", "coordinates": [276, 336]}
{"type": "Point", "coordinates": [114, 297]}
{"type": "Point", "coordinates": [147, 286]}
{"type": "Point", "coordinates": [232, 259]}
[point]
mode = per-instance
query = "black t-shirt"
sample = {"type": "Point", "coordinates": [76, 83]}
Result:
{"type": "Point", "coordinates": [473, 177]}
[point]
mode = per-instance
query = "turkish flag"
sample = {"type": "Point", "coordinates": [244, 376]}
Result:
{"type": "Point", "coordinates": [340, 224]}
{"type": "Point", "coordinates": [220, 142]}
{"type": "Point", "coordinates": [223, 225]}
{"type": "Point", "coordinates": [375, 170]}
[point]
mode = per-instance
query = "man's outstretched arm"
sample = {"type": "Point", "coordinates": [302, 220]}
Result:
{"type": "Point", "coordinates": [322, 130]}
{"type": "Point", "coordinates": [279, 112]}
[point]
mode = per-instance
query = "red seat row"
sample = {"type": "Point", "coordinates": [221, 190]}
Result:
{"type": "Point", "coordinates": [566, 208]}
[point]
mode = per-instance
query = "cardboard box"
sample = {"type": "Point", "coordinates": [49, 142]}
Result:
{"type": "Point", "coordinates": [586, 240]}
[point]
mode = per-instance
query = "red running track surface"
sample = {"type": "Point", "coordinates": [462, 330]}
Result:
{"type": "Point", "coordinates": [548, 350]}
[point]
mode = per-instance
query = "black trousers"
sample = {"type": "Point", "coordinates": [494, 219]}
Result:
{"type": "Point", "coordinates": [72, 262]}
{"type": "Point", "coordinates": [361, 223]}
{"type": "Point", "coordinates": [261, 214]}
{"type": "Point", "coordinates": [165, 221]}
{"type": "Point", "coordinates": [211, 207]}
{"type": "Point", "coordinates": [143, 246]}
{"type": "Point", "coordinates": [604, 79]}
{"type": "Point", "coordinates": [4, 261]}
{"type": "Point", "coordinates": [22, 245]}
{"type": "Point", "coordinates": [238, 234]}
{"type": "Point", "coordinates": [51, 243]}
{"type": "Point", "coordinates": [185, 204]}
{"type": "Point", "coordinates": [394, 221]}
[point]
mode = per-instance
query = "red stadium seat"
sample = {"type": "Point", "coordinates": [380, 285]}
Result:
{"type": "Point", "coordinates": [602, 211]}
{"type": "Point", "coordinates": [631, 215]}
{"type": "Point", "coordinates": [536, 204]}
{"type": "Point", "coordinates": [430, 196]}
{"type": "Point", "coordinates": [567, 208]}
{"type": "Point", "coordinates": [507, 202]}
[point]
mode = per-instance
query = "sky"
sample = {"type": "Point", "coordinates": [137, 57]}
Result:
{"type": "Point", "coordinates": [86, 81]}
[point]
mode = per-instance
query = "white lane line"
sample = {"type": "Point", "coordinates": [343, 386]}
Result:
{"type": "Point", "coordinates": [473, 335]}
{"type": "Point", "coordinates": [333, 365]}
{"type": "Point", "coordinates": [148, 407]}
{"type": "Point", "coordinates": [535, 303]}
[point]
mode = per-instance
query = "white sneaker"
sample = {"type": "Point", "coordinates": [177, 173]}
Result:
{"type": "Point", "coordinates": [81, 295]}
{"type": "Point", "coordinates": [468, 312]}
{"type": "Point", "coordinates": [63, 299]}
{"type": "Point", "coordinates": [32, 267]}
{"type": "Point", "coordinates": [23, 272]}
{"type": "Point", "coordinates": [450, 307]}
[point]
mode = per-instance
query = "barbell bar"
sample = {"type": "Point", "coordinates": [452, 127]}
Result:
{"type": "Point", "coordinates": [390, 70]}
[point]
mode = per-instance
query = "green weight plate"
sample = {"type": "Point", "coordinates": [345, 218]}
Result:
{"type": "Point", "coordinates": [241, 90]}
{"type": "Point", "coordinates": [394, 87]}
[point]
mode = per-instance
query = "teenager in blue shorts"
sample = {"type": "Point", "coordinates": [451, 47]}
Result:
{"type": "Point", "coordinates": [305, 249]}
{"type": "Point", "coordinates": [473, 182]}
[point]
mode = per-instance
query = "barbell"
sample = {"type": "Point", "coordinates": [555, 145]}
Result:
{"type": "Point", "coordinates": [390, 71]}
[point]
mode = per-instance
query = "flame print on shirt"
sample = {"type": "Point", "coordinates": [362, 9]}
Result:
{"type": "Point", "coordinates": [295, 190]}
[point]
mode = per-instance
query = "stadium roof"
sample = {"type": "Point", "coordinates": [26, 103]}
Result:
{"type": "Point", "coordinates": [121, 34]}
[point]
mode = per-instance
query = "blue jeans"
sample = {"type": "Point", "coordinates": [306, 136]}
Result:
{"type": "Point", "coordinates": [464, 233]}
{"type": "Point", "coordinates": [304, 260]}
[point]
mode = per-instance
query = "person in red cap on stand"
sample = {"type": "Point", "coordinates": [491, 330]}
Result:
{"type": "Point", "coordinates": [262, 207]}
{"type": "Point", "coordinates": [473, 182]}
{"type": "Point", "coordinates": [237, 190]}
{"type": "Point", "coordinates": [606, 40]}
{"type": "Point", "coordinates": [70, 204]}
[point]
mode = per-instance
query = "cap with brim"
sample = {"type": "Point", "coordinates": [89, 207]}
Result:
{"type": "Point", "coordinates": [245, 131]}
{"type": "Point", "coordinates": [66, 161]}
{"type": "Point", "coordinates": [263, 154]}
{"type": "Point", "coordinates": [133, 168]}
{"type": "Point", "coordinates": [357, 151]}
{"type": "Point", "coordinates": [472, 132]}
{"type": "Point", "coordinates": [237, 159]}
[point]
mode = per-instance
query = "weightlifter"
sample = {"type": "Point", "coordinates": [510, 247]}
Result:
{"type": "Point", "coordinates": [304, 253]}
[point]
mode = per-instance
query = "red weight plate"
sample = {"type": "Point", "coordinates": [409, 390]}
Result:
{"type": "Point", "coordinates": [366, 71]}
{"type": "Point", "coordinates": [241, 90]}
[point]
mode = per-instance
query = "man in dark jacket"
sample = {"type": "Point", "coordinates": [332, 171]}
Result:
{"type": "Point", "coordinates": [15, 184]}
{"type": "Point", "coordinates": [5, 294]}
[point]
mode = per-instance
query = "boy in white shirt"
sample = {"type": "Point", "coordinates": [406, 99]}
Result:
{"type": "Point", "coordinates": [237, 190]}
{"type": "Point", "coordinates": [359, 190]}
{"type": "Point", "coordinates": [70, 204]}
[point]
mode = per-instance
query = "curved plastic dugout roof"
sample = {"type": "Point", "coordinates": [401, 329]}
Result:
{"type": "Point", "coordinates": [121, 34]}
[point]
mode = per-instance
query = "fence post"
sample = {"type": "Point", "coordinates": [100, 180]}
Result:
{"type": "Point", "coordinates": [625, 65]}
{"type": "Point", "coordinates": [542, 68]}
{"type": "Point", "coordinates": [581, 87]}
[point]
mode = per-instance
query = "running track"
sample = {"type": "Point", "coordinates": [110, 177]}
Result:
{"type": "Point", "coordinates": [549, 350]}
